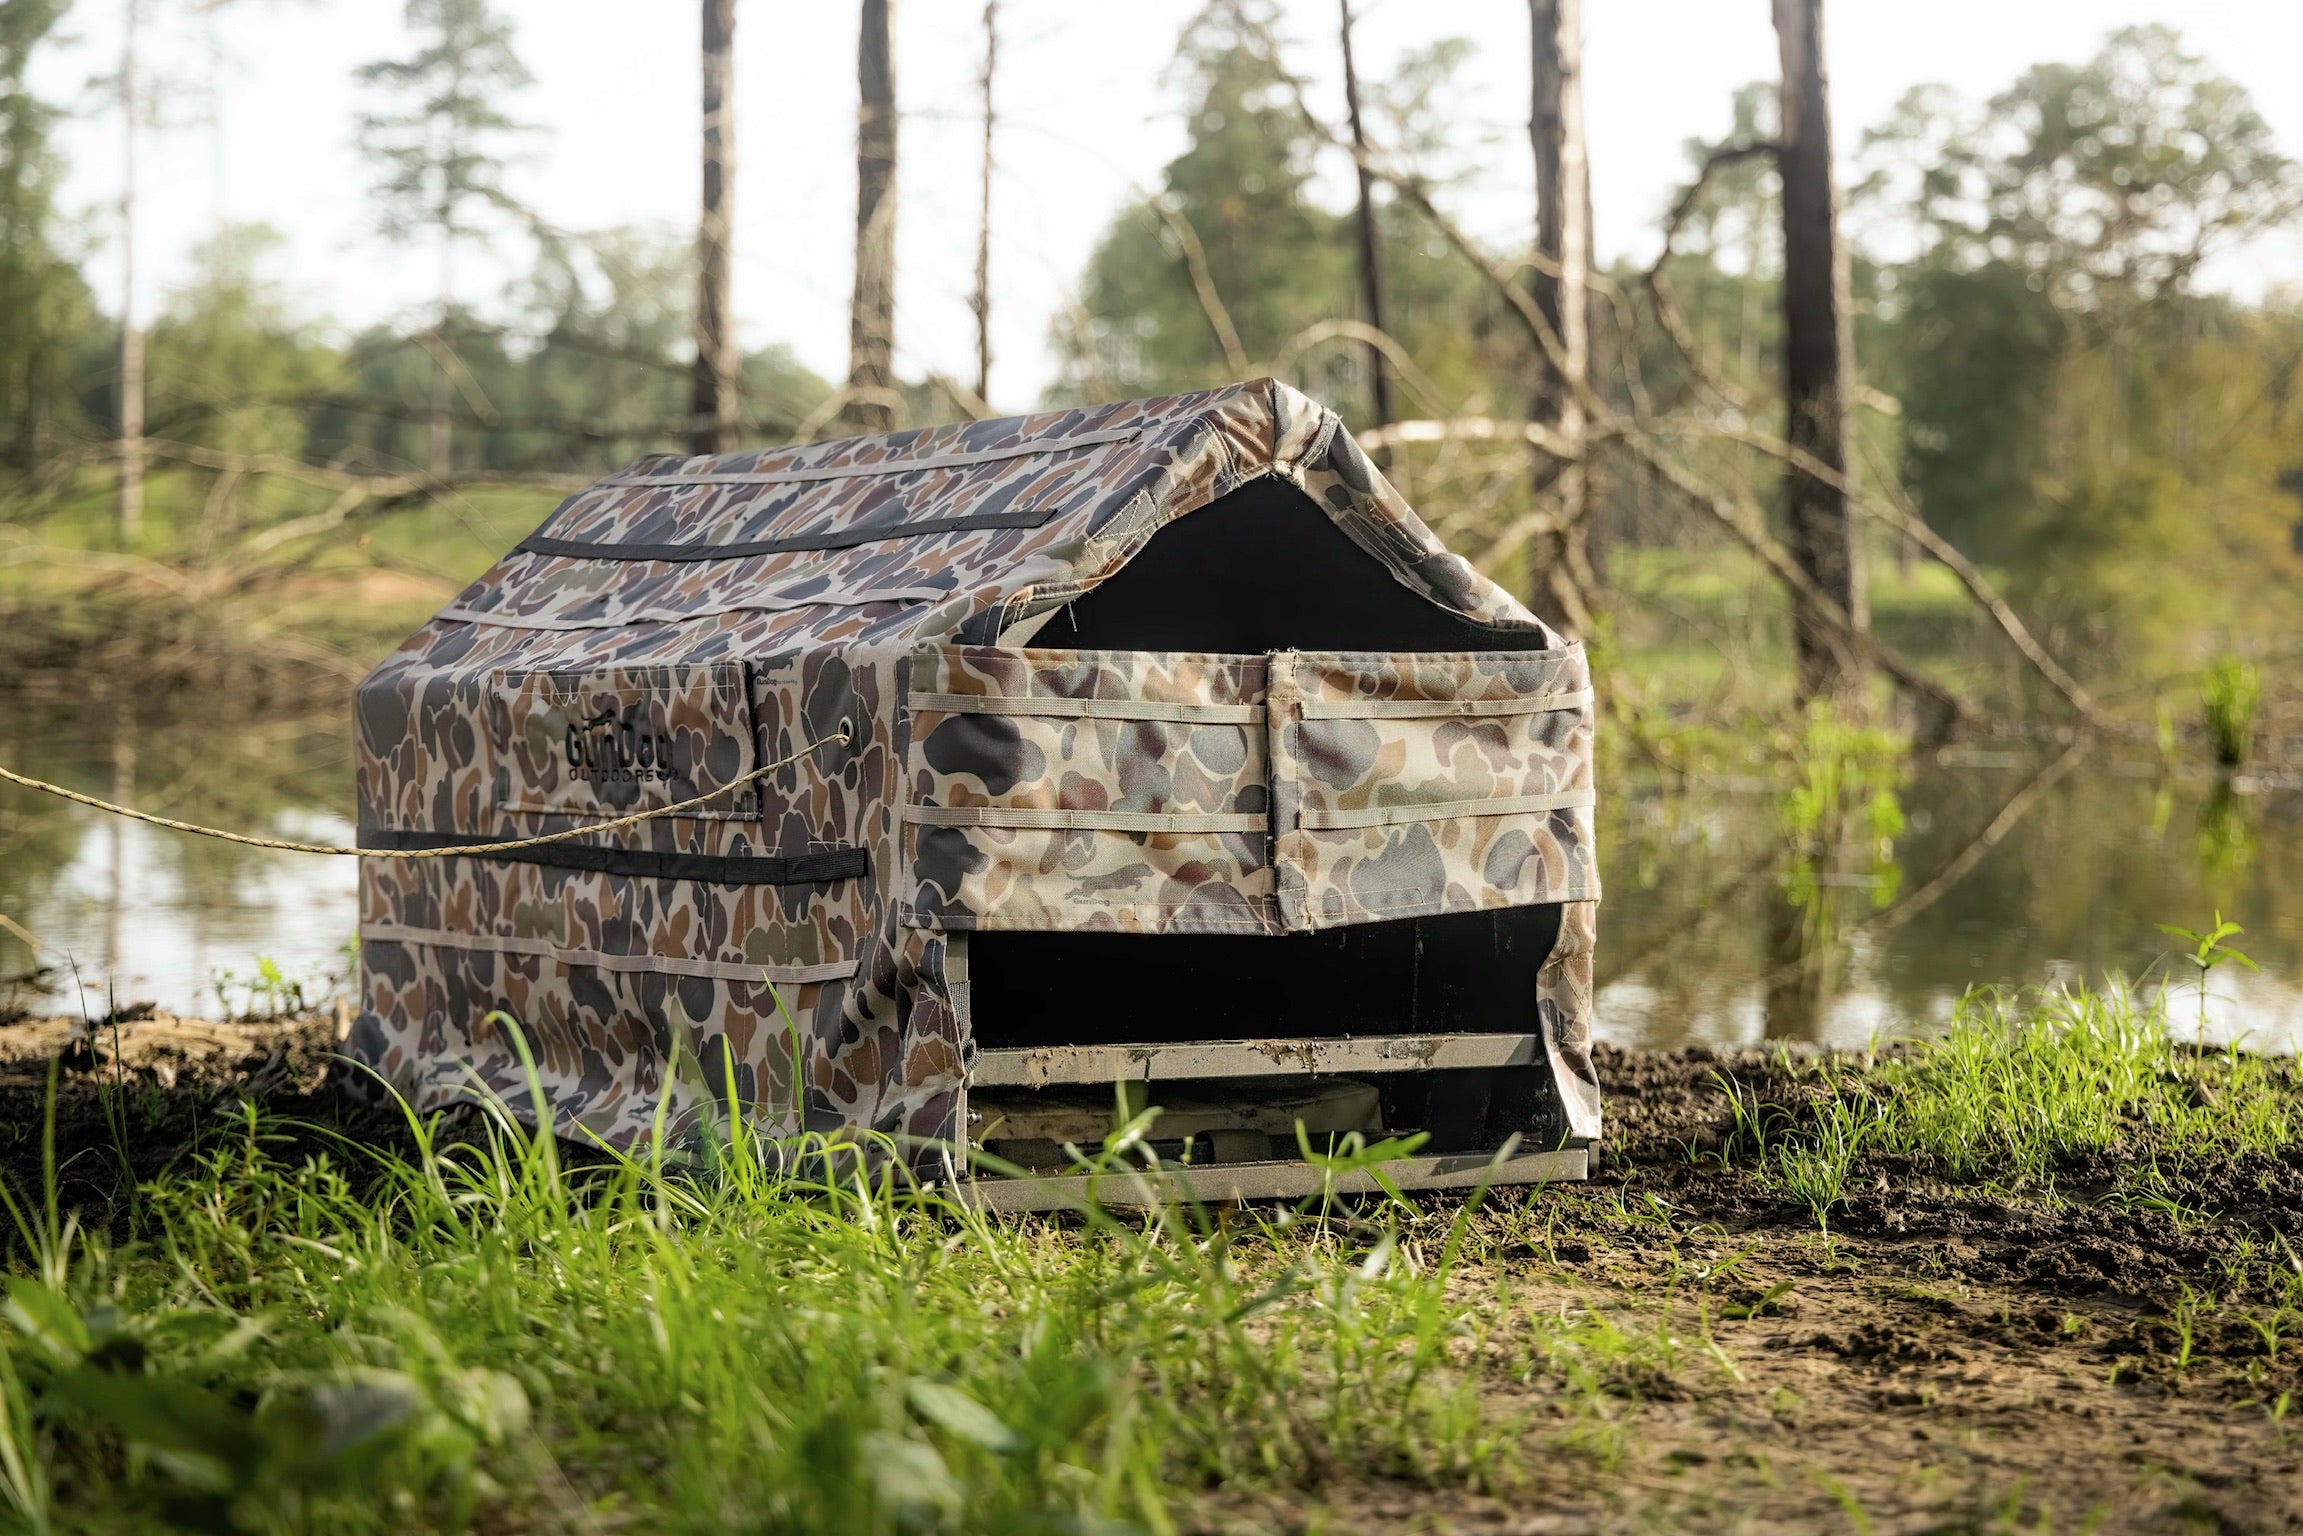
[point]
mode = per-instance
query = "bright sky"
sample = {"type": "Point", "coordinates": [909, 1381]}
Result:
{"type": "Point", "coordinates": [1085, 120]}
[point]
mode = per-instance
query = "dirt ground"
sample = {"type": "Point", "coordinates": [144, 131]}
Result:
{"type": "Point", "coordinates": [1946, 1360]}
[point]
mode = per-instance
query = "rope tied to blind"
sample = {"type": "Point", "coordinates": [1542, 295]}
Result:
{"type": "Point", "coordinates": [844, 734]}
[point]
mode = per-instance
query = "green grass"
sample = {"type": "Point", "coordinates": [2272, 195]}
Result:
{"type": "Point", "coordinates": [476, 1333]}
{"type": "Point", "coordinates": [2230, 697]}
{"type": "Point", "coordinates": [2019, 1089]}
{"type": "Point", "coordinates": [323, 590]}
{"type": "Point", "coordinates": [374, 1340]}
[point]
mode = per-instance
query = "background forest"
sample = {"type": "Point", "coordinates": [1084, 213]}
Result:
{"type": "Point", "coordinates": [2036, 372]}
{"type": "Point", "coordinates": [2069, 484]}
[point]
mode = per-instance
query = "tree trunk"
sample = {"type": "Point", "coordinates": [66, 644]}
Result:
{"type": "Point", "coordinates": [439, 455]}
{"type": "Point", "coordinates": [131, 337]}
{"type": "Point", "coordinates": [1370, 249]}
{"type": "Point", "coordinates": [1563, 294]}
{"type": "Point", "coordinates": [713, 402]}
{"type": "Point", "coordinates": [872, 310]}
{"type": "Point", "coordinates": [1816, 352]}
{"type": "Point", "coordinates": [980, 302]}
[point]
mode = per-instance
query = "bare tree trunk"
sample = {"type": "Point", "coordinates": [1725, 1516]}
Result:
{"type": "Point", "coordinates": [1816, 353]}
{"type": "Point", "coordinates": [438, 454]}
{"type": "Point", "coordinates": [1370, 248]}
{"type": "Point", "coordinates": [131, 336]}
{"type": "Point", "coordinates": [872, 311]}
{"type": "Point", "coordinates": [713, 401]}
{"type": "Point", "coordinates": [1563, 294]}
{"type": "Point", "coordinates": [438, 446]}
{"type": "Point", "coordinates": [980, 302]}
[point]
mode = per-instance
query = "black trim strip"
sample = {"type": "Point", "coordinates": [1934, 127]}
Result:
{"type": "Point", "coordinates": [836, 538]}
{"type": "Point", "coordinates": [820, 868]}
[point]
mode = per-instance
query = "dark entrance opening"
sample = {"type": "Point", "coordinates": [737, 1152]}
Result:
{"type": "Point", "coordinates": [1262, 569]}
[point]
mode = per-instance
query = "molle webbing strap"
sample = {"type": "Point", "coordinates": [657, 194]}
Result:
{"type": "Point", "coordinates": [798, 543]}
{"type": "Point", "coordinates": [1054, 706]}
{"type": "Point", "coordinates": [821, 867]}
{"type": "Point", "coordinates": [1319, 820]}
{"type": "Point", "coordinates": [1433, 709]}
{"type": "Point", "coordinates": [673, 965]}
{"type": "Point", "coordinates": [1029, 448]}
{"type": "Point", "coordinates": [1056, 819]}
{"type": "Point", "coordinates": [851, 537]}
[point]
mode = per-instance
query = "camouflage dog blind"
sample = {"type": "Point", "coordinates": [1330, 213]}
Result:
{"type": "Point", "coordinates": [1174, 688]}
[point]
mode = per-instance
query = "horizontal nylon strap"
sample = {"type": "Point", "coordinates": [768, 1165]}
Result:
{"type": "Point", "coordinates": [821, 867]}
{"type": "Point", "coordinates": [1315, 820]}
{"type": "Point", "coordinates": [716, 970]}
{"type": "Point", "coordinates": [1085, 709]}
{"type": "Point", "coordinates": [1419, 709]}
{"type": "Point", "coordinates": [756, 603]}
{"type": "Point", "coordinates": [1057, 819]}
{"type": "Point", "coordinates": [1027, 449]}
{"type": "Point", "coordinates": [694, 551]}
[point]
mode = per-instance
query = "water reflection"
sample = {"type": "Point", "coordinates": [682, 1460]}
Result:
{"type": "Point", "coordinates": [128, 912]}
{"type": "Point", "coordinates": [1728, 919]}
{"type": "Point", "coordinates": [2016, 870]}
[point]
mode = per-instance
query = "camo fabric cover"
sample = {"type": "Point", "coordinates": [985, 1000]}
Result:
{"type": "Point", "coordinates": [810, 931]}
{"type": "Point", "coordinates": [1563, 1004]}
{"type": "Point", "coordinates": [611, 1047]}
{"type": "Point", "coordinates": [845, 788]}
{"type": "Point", "coordinates": [612, 742]}
{"type": "Point", "coordinates": [1413, 785]}
{"type": "Point", "coordinates": [1105, 790]}
{"type": "Point", "coordinates": [647, 964]}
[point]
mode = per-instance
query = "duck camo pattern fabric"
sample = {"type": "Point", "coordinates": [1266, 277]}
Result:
{"type": "Point", "coordinates": [795, 950]}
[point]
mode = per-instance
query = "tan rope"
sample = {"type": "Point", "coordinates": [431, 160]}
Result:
{"type": "Point", "coordinates": [468, 849]}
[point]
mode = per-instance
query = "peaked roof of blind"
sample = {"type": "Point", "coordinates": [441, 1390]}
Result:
{"type": "Point", "coordinates": [942, 531]}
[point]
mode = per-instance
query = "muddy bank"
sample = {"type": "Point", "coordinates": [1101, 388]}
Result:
{"type": "Point", "coordinates": [1934, 1354]}
{"type": "Point", "coordinates": [147, 1092]}
{"type": "Point", "coordinates": [1941, 1357]}
{"type": "Point", "coordinates": [158, 653]}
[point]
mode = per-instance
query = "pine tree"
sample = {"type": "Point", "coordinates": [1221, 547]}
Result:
{"type": "Point", "coordinates": [40, 295]}
{"type": "Point", "coordinates": [442, 154]}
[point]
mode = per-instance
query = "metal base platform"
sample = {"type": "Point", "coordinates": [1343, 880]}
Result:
{"type": "Point", "coordinates": [1226, 1184]}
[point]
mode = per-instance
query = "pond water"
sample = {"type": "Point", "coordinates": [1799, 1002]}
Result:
{"type": "Point", "coordinates": [2011, 868]}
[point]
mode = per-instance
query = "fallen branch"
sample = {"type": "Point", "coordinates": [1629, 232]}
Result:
{"type": "Point", "coordinates": [1659, 292]}
{"type": "Point", "coordinates": [1899, 514]}
{"type": "Point", "coordinates": [1203, 284]}
{"type": "Point", "coordinates": [1472, 429]}
{"type": "Point", "coordinates": [1961, 865]}
{"type": "Point", "coordinates": [1411, 374]}
{"type": "Point", "coordinates": [330, 477]}
{"type": "Point", "coordinates": [1862, 643]}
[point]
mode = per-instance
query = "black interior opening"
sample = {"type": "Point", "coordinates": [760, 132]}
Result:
{"type": "Point", "coordinates": [1262, 569]}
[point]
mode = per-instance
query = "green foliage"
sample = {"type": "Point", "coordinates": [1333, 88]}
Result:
{"type": "Point", "coordinates": [229, 366]}
{"type": "Point", "coordinates": [1806, 1159]}
{"type": "Point", "coordinates": [270, 993]}
{"type": "Point", "coordinates": [2072, 413]}
{"type": "Point", "coordinates": [44, 304]}
{"type": "Point", "coordinates": [2230, 696]}
{"type": "Point", "coordinates": [2016, 1090]}
{"type": "Point", "coordinates": [2111, 179]}
{"type": "Point", "coordinates": [1278, 262]}
{"type": "Point", "coordinates": [440, 156]}
{"type": "Point", "coordinates": [2208, 950]}
{"type": "Point", "coordinates": [773, 1337]}
{"type": "Point", "coordinates": [1845, 780]}
{"type": "Point", "coordinates": [1977, 350]}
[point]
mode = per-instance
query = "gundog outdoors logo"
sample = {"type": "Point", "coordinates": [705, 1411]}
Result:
{"type": "Point", "coordinates": [606, 750]}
